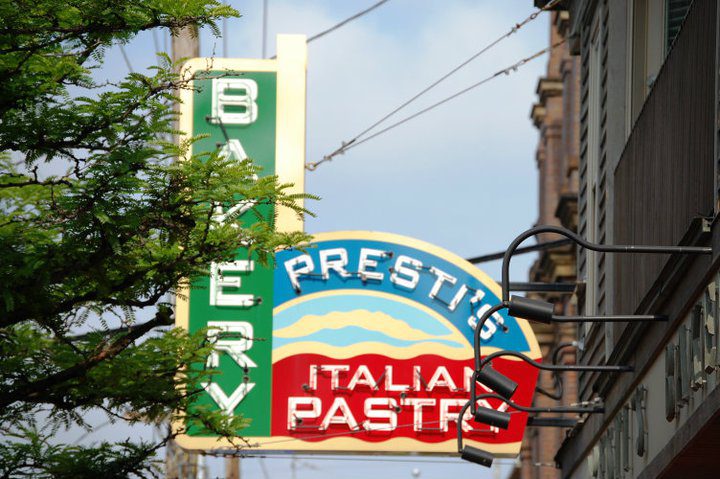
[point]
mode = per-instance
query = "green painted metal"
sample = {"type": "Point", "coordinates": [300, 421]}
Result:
{"type": "Point", "coordinates": [258, 141]}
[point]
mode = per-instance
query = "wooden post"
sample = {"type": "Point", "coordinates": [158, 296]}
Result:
{"type": "Point", "coordinates": [185, 43]}
{"type": "Point", "coordinates": [180, 464]}
{"type": "Point", "coordinates": [232, 468]}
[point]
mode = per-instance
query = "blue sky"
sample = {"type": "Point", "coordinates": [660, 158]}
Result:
{"type": "Point", "coordinates": [462, 177]}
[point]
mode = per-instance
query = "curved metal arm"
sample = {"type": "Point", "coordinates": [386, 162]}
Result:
{"type": "Point", "coordinates": [476, 344]}
{"type": "Point", "coordinates": [587, 245]}
{"type": "Point", "coordinates": [559, 347]}
{"type": "Point", "coordinates": [478, 328]}
{"type": "Point", "coordinates": [547, 367]}
{"type": "Point", "coordinates": [557, 378]}
{"type": "Point", "coordinates": [561, 409]}
{"type": "Point", "coordinates": [461, 417]}
{"type": "Point", "coordinates": [554, 367]}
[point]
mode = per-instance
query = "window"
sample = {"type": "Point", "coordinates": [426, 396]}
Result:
{"type": "Point", "coordinates": [593, 152]}
{"type": "Point", "coordinates": [648, 34]}
{"type": "Point", "coordinates": [675, 13]}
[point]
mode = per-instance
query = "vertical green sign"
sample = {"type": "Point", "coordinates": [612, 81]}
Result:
{"type": "Point", "coordinates": [238, 113]}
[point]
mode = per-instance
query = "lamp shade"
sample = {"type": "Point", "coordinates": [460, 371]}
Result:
{"type": "Point", "coordinates": [492, 417]}
{"type": "Point", "coordinates": [496, 381]}
{"type": "Point", "coordinates": [478, 456]}
{"type": "Point", "coordinates": [531, 309]}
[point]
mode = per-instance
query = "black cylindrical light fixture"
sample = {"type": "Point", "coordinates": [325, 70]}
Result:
{"type": "Point", "coordinates": [496, 381]}
{"type": "Point", "coordinates": [478, 456]}
{"type": "Point", "coordinates": [492, 417]}
{"type": "Point", "coordinates": [531, 309]}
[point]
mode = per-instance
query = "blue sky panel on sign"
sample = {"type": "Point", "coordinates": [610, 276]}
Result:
{"type": "Point", "coordinates": [385, 321]}
{"type": "Point", "coordinates": [315, 282]}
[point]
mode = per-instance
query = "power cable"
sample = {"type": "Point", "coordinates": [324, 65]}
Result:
{"type": "Point", "coordinates": [525, 249]}
{"type": "Point", "coordinates": [347, 433]}
{"type": "Point", "coordinates": [346, 21]}
{"type": "Point", "coordinates": [415, 460]}
{"type": "Point", "coordinates": [264, 27]}
{"type": "Point", "coordinates": [126, 58]}
{"type": "Point", "coordinates": [225, 37]}
{"type": "Point", "coordinates": [263, 467]}
{"type": "Point", "coordinates": [91, 431]}
{"type": "Point", "coordinates": [365, 459]}
{"type": "Point", "coordinates": [506, 71]}
{"type": "Point", "coordinates": [344, 145]}
{"type": "Point", "coordinates": [338, 434]}
{"type": "Point", "coordinates": [514, 29]}
{"type": "Point", "coordinates": [156, 42]}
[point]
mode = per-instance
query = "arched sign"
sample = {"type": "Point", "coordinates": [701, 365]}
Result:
{"type": "Point", "coordinates": [373, 333]}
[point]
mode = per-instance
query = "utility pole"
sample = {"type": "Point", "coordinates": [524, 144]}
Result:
{"type": "Point", "coordinates": [180, 464]}
{"type": "Point", "coordinates": [232, 468]}
{"type": "Point", "coordinates": [264, 28]}
{"type": "Point", "coordinates": [185, 43]}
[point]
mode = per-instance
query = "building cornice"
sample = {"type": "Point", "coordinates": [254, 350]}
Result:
{"type": "Point", "coordinates": [548, 87]}
{"type": "Point", "coordinates": [537, 114]}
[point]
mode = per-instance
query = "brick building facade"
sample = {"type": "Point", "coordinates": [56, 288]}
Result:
{"type": "Point", "coordinates": [556, 116]}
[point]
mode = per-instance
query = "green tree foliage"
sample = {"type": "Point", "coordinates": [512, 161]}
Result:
{"type": "Point", "coordinates": [117, 229]}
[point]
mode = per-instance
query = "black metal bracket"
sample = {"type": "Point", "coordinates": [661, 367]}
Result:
{"type": "Point", "coordinates": [563, 422]}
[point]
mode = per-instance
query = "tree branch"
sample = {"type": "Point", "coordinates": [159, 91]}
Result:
{"type": "Point", "coordinates": [36, 389]}
{"type": "Point", "coordinates": [36, 182]}
{"type": "Point", "coordinates": [110, 332]}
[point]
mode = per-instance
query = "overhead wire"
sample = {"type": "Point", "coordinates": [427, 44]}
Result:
{"type": "Point", "coordinates": [263, 468]}
{"type": "Point", "coordinates": [525, 249]}
{"type": "Point", "coordinates": [415, 460]}
{"type": "Point", "coordinates": [126, 58]}
{"type": "Point", "coordinates": [156, 42]}
{"type": "Point", "coordinates": [340, 434]}
{"type": "Point", "coordinates": [366, 459]}
{"type": "Point", "coordinates": [506, 71]}
{"type": "Point", "coordinates": [264, 27]}
{"type": "Point", "coordinates": [345, 145]}
{"type": "Point", "coordinates": [225, 37]}
{"type": "Point", "coordinates": [345, 22]}
{"type": "Point", "coordinates": [513, 30]}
